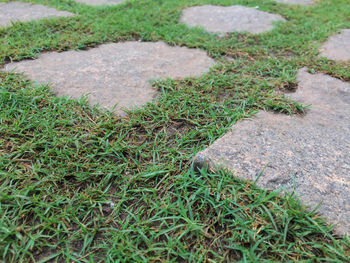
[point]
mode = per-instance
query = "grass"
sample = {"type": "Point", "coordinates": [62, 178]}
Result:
{"type": "Point", "coordinates": [79, 184]}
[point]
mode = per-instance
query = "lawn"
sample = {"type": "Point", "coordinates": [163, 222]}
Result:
{"type": "Point", "coordinates": [80, 184]}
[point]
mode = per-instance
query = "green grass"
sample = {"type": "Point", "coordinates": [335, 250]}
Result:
{"type": "Point", "coordinates": [79, 184]}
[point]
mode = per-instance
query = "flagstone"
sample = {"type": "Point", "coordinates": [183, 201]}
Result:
{"type": "Point", "coordinates": [101, 2]}
{"type": "Point", "coordinates": [225, 19]}
{"type": "Point", "coordinates": [18, 11]}
{"type": "Point", "coordinates": [309, 153]}
{"type": "Point", "coordinates": [337, 47]}
{"type": "Point", "coordinates": [114, 73]}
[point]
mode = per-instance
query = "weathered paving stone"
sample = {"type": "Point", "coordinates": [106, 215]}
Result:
{"type": "Point", "coordinates": [225, 19]}
{"type": "Point", "coordinates": [114, 73]}
{"type": "Point", "coordinates": [18, 11]}
{"type": "Point", "coordinates": [313, 149]}
{"type": "Point", "coordinates": [101, 2]}
{"type": "Point", "coordinates": [337, 47]}
{"type": "Point", "coordinates": [296, 2]}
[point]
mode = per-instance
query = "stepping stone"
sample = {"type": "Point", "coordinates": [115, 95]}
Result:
{"type": "Point", "coordinates": [225, 19]}
{"type": "Point", "coordinates": [337, 47]}
{"type": "Point", "coordinates": [114, 73]}
{"type": "Point", "coordinates": [18, 11]}
{"type": "Point", "coordinates": [311, 151]}
{"type": "Point", "coordinates": [296, 2]}
{"type": "Point", "coordinates": [101, 2]}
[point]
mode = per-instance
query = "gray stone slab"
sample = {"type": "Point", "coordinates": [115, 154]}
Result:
{"type": "Point", "coordinates": [337, 47]}
{"type": "Point", "coordinates": [114, 73]}
{"type": "Point", "coordinates": [311, 151]}
{"type": "Point", "coordinates": [296, 2]}
{"type": "Point", "coordinates": [101, 2]}
{"type": "Point", "coordinates": [18, 11]}
{"type": "Point", "coordinates": [225, 19]}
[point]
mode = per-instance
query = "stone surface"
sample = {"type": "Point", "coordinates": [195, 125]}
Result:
{"type": "Point", "coordinates": [296, 2]}
{"type": "Point", "coordinates": [337, 47]}
{"type": "Point", "coordinates": [224, 19]}
{"type": "Point", "coordinates": [114, 73]}
{"type": "Point", "coordinates": [313, 150]}
{"type": "Point", "coordinates": [18, 11]}
{"type": "Point", "coordinates": [101, 2]}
